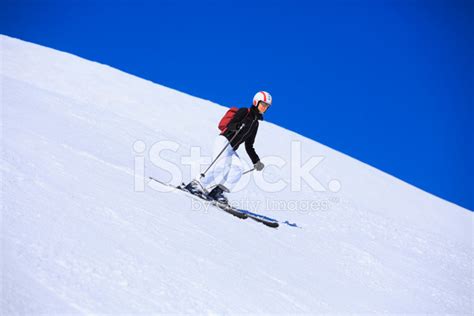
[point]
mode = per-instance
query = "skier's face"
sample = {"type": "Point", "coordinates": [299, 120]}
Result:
{"type": "Point", "coordinates": [263, 106]}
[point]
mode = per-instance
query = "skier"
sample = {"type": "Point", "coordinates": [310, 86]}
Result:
{"type": "Point", "coordinates": [238, 126]}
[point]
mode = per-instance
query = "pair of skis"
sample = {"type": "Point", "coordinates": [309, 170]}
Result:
{"type": "Point", "coordinates": [242, 214]}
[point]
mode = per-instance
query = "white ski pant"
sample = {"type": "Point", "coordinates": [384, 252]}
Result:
{"type": "Point", "coordinates": [227, 170]}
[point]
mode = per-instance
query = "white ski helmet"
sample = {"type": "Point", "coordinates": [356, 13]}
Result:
{"type": "Point", "coordinates": [262, 96]}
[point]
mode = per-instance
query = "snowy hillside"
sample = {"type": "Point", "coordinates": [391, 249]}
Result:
{"type": "Point", "coordinates": [80, 236]}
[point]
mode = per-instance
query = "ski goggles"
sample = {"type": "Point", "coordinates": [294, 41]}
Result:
{"type": "Point", "coordinates": [264, 104]}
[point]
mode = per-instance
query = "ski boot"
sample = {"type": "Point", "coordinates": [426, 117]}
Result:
{"type": "Point", "coordinates": [194, 187]}
{"type": "Point", "coordinates": [217, 194]}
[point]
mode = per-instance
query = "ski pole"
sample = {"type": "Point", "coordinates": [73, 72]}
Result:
{"type": "Point", "coordinates": [250, 170]}
{"type": "Point", "coordinates": [223, 149]}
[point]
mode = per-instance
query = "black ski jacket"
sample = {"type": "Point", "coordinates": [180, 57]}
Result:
{"type": "Point", "coordinates": [249, 117]}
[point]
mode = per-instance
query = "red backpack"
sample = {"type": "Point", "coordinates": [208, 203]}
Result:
{"type": "Point", "coordinates": [228, 116]}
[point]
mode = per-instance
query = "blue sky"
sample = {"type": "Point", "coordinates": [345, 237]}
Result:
{"type": "Point", "coordinates": [387, 82]}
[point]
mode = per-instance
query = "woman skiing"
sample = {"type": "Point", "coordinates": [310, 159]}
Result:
{"type": "Point", "coordinates": [238, 126]}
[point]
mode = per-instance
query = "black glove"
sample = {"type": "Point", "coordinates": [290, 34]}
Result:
{"type": "Point", "coordinates": [233, 127]}
{"type": "Point", "coordinates": [258, 165]}
{"type": "Point", "coordinates": [236, 127]}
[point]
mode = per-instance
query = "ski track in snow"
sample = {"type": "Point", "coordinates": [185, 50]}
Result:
{"type": "Point", "coordinates": [77, 238]}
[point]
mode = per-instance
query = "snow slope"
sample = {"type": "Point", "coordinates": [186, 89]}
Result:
{"type": "Point", "coordinates": [78, 238]}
